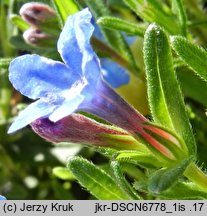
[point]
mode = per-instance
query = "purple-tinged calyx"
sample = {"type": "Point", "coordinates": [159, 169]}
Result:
{"type": "Point", "coordinates": [36, 13]}
{"type": "Point", "coordinates": [77, 128]}
{"type": "Point", "coordinates": [35, 37]}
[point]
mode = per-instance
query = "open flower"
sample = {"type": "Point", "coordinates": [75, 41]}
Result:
{"type": "Point", "coordinates": [61, 89]}
{"type": "Point", "coordinates": [37, 13]}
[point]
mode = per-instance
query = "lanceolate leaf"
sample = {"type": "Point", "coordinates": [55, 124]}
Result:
{"type": "Point", "coordinates": [184, 191]}
{"type": "Point", "coordinates": [179, 10]}
{"type": "Point", "coordinates": [165, 178]}
{"type": "Point", "coordinates": [122, 25]}
{"type": "Point", "coordinates": [166, 102]}
{"type": "Point", "coordinates": [154, 11]}
{"type": "Point", "coordinates": [97, 181]}
{"type": "Point", "coordinates": [122, 182]}
{"type": "Point", "coordinates": [192, 85]}
{"type": "Point", "coordinates": [146, 159]}
{"type": "Point", "coordinates": [19, 22]}
{"type": "Point", "coordinates": [193, 55]}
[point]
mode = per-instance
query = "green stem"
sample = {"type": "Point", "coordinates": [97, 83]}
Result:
{"type": "Point", "coordinates": [5, 159]}
{"type": "Point", "coordinates": [6, 48]}
{"type": "Point", "coordinates": [195, 174]}
{"type": "Point", "coordinates": [5, 96]}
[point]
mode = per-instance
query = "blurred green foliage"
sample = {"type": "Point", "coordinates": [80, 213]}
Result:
{"type": "Point", "coordinates": [26, 160]}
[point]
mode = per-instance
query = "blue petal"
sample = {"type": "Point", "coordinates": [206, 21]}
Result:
{"type": "Point", "coordinates": [114, 74]}
{"type": "Point", "coordinates": [97, 32]}
{"type": "Point", "coordinates": [32, 112]}
{"type": "Point", "coordinates": [34, 76]}
{"type": "Point", "coordinates": [75, 48]}
{"type": "Point", "coordinates": [2, 197]}
{"type": "Point", "coordinates": [68, 107]}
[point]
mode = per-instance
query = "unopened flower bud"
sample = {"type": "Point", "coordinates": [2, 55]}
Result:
{"type": "Point", "coordinates": [36, 13]}
{"type": "Point", "coordinates": [36, 37]}
{"type": "Point", "coordinates": [77, 128]}
{"type": "Point", "coordinates": [164, 141]}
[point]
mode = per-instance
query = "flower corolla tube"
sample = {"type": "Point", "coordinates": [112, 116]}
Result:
{"type": "Point", "coordinates": [76, 84]}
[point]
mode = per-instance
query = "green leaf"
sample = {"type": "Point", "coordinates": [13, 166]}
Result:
{"type": "Point", "coordinates": [197, 176]}
{"type": "Point", "coordinates": [4, 62]}
{"type": "Point", "coordinates": [97, 181]}
{"type": "Point", "coordinates": [178, 9]}
{"type": "Point", "coordinates": [19, 22]}
{"type": "Point", "coordinates": [65, 8]}
{"type": "Point", "coordinates": [179, 191]}
{"type": "Point", "coordinates": [63, 173]}
{"type": "Point", "coordinates": [154, 11]}
{"type": "Point", "coordinates": [145, 159]}
{"type": "Point", "coordinates": [192, 85]}
{"type": "Point", "coordinates": [115, 23]}
{"type": "Point", "coordinates": [133, 171]}
{"type": "Point", "coordinates": [166, 102]}
{"type": "Point", "coordinates": [184, 191]}
{"type": "Point", "coordinates": [165, 178]}
{"type": "Point", "coordinates": [107, 152]}
{"type": "Point", "coordinates": [193, 55]}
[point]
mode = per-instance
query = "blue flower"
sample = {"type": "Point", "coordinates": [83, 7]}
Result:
{"type": "Point", "coordinates": [114, 74]}
{"type": "Point", "coordinates": [63, 88]}
{"type": "Point", "coordinates": [2, 197]}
